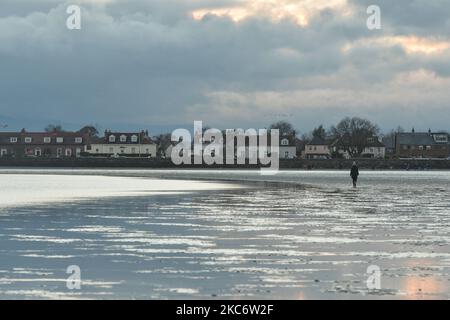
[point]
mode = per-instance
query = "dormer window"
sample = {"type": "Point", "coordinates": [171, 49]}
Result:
{"type": "Point", "coordinates": [28, 139]}
{"type": "Point", "coordinates": [284, 142]}
{"type": "Point", "coordinates": [78, 140]}
{"type": "Point", "coordinates": [112, 138]}
{"type": "Point", "coordinates": [13, 139]}
{"type": "Point", "coordinates": [59, 140]}
{"type": "Point", "coordinates": [134, 138]}
{"type": "Point", "coordinates": [123, 138]}
{"type": "Point", "coordinates": [47, 139]}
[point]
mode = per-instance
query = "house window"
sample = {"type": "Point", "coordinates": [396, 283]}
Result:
{"type": "Point", "coordinates": [284, 142]}
{"type": "Point", "coordinates": [286, 154]}
{"type": "Point", "coordinates": [37, 152]}
{"type": "Point", "coordinates": [3, 152]}
{"type": "Point", "coordinates": [59, 140]}
{"type": "Point", "coordinates": [123, 138]}
{"type": "Point", "coordinates": [111, 150]}
{"type": "Point", "coordinates": [428, 147]}
{"type": "Point", "coordinates": [147, 151]}
{"type": "Point", "coordinates": [133, 150]}
{"type": "Point", "coordinates": [28, 140]}
{"type": "Point", "coordinates": [59, 152]}
{"type": "Point", "coordinates": [134, 138]}
{"type": "Point", "coordinates": [47, 139]}
{"type": "Point", "coordinates": [68, 152]}
{"type": "Point", "coordinates": [421, 148]}
{"type": "Point", "coordinates": [13, 139]}
{"type": "Point", "coordinates": [78, 140]}
{"type": "Point", "coordinates": [112, 138]}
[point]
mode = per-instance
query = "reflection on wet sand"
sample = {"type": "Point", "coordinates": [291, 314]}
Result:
{"type": "Point", "coordinates": [423, 285]}
{"type": "Point", "coordinates": [262, 240]}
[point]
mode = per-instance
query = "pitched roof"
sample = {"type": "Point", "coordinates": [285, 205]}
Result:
{"type": "Point", "coordinates": [38, 137]}
{"type": "Point", "coordinates": [415, 139]}
{"type": "Point", "coordinates": [318, 141]}
{"type": "Point", "coordinates": [376, 143]}
{"type": "Point", "coordinates": [291, 139]}
{"type": "Point", "coordinates": [142, 136]}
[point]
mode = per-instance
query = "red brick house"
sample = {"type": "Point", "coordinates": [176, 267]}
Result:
{"type": "Point", "coordinates": [42, 144]}
{"type": "Point", "coordinates": [422, 145]}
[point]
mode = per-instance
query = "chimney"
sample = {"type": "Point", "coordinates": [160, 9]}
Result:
{"type": "Point", "coordinates": [429, 131]}
{"type": "Point", "coordinates": [413, 130]}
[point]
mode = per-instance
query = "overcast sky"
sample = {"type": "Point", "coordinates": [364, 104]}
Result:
{"type": "Point", "coordinates": [160, 64]}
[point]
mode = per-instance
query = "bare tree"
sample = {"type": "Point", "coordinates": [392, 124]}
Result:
{"type": "Point", "coordinates": [353, 135]}
{"type": "Point", "coordinates": [163, 141]}
{"type": "Point", "coordinates": [285, 127]}
{"type": "Point", "coordinates": [90, 130]}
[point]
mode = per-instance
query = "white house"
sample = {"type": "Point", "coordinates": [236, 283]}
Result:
{"type": "Point", "coordinates": [123, 144]}
{"type": "Point", "coordinates": [288, 147]}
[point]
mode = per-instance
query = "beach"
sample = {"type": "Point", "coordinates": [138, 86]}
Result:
{"type": "Point", "coordinates": [224, 234]}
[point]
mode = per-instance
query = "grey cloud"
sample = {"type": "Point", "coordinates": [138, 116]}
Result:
{"type": "Point", "coordinates": [149, 63]}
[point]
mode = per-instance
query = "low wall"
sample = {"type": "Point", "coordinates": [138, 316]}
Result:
{"type": "Point", "coordinates": [167, 164]}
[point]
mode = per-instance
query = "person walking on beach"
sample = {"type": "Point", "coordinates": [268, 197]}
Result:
{"type": "Point", "coordinates": [354, 173]}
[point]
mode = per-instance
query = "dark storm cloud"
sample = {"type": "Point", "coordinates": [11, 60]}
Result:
{"type": "Point", "coordinates": [150, 63]}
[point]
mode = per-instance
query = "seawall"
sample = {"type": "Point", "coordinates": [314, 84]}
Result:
{"type": "Point", "coordinates": [374, 164]}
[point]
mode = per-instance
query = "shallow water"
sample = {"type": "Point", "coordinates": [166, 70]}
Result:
{"type": "Point", "coordinates": [296, 235]}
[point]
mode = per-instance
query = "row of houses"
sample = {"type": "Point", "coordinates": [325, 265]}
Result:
{"type": "Point", "coordinates": [320, 148]}
{"type": "Point", "coordinates": [139, 144]}
{"type": "Point", "coordinates": [400, 145]}
{"type": "Point", "coordinates": [75, 144]}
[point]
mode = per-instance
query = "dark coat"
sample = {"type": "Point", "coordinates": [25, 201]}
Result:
{"type": "Point", "coordinates": [354, 172]}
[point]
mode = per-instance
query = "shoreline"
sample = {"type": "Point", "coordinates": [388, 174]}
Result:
{"type": "Point", "coordinates": [297, 164]}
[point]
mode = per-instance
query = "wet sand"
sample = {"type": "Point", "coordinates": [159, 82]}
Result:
{"type": "Point", "coordinates": [304, 235]}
